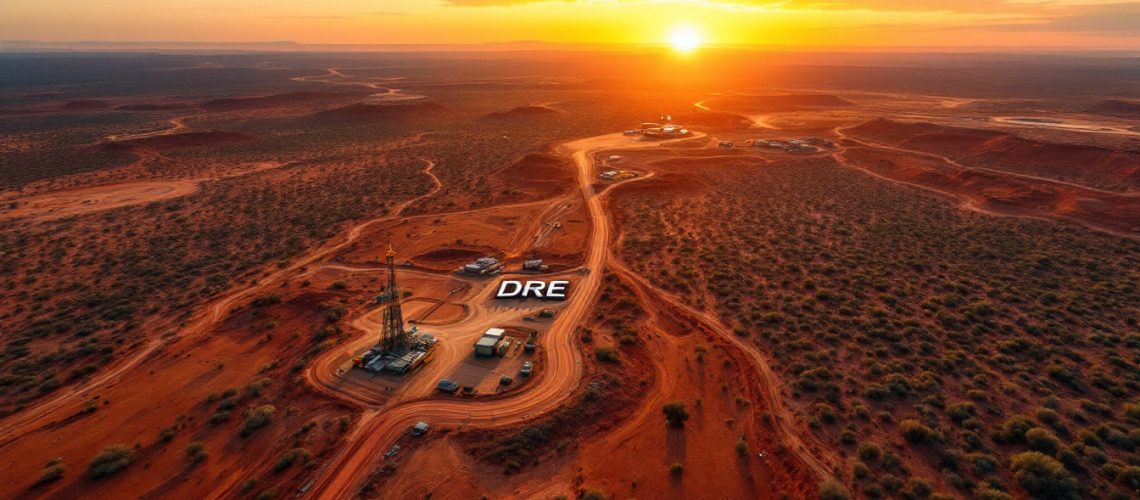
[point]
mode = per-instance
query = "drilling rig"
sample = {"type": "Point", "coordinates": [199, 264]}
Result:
{"type": "Point", "coordinates": [393, 338]}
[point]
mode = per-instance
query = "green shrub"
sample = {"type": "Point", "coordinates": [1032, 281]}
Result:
{"type": "Point", "coordinates": [257, 418]}
{"type": "Point", "coordinates": [675, 413]}
{"type": "Point", "coordinates": [1042, 476]}
{"type": "Point", "coordinates": [196, 452]}
{"type": "Point", "coordinates": [676, 469]}
{"type": "Point", "coordinates": [291, 457]}
{"type": "Point", "coordinates": [869, 451]}
{"type": "Point", "coordinates": [607, 355]}
{"type": "Point", "coordinates": [832, 490]}
{"type": "Point", "coordinates": [1042, 440]}
{"type": "Point", "coordinates": [51, 474]}
{"type": "Point", "coordinates": [916, 432]}
{"type": "Point", "coordinates": [110, 461]}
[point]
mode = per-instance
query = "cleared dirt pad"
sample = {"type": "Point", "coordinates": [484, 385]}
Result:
{"type": "Point", "coordinates": [94, 199]}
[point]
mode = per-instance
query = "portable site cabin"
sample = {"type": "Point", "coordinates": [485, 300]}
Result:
{"type": "Point", "coordinates": [503, 346]}
{"type": "Point", "coordinates": [488, 344]}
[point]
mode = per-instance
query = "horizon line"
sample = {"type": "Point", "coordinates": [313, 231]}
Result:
{"type": "Point", "coordinates": [518, 45]}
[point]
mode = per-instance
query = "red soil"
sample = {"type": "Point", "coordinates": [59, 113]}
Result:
{"type": "Point", "coordinates": [538, 175]}
{"type": "Point", "coordinates": [779, 103]}
{"type": "Point", "coordinates": [1004, 194]}
{"type": "Point", "coordinates": [181, 141]}
{"type": "Point", "coordinates": [85, 105]}
{"type": "Point", "coordinates": [1117, 107]}
{"type": "Point", "coordinates": [522, 113]}
{"type": "Point", "coordinates": [270, 101]}
{"type": "Point", "coordinates": [713, 121]}
{"type": "Point", "coordinates": [398, 113]}
{"type": "Point", "coordinates": [984, 148]}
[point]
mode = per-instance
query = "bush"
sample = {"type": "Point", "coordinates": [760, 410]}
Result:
{"type": "Point", "coordinates": [290, 457]}
{"type": "Point", "coordinates": [1042, 440]}
{"type": "Point", "coordinates": [1132, 411]}
{"type": "Point", "coordinates": [607, 355]}
{"type": "Point", "coordinates": [869, 451]}
{"type": "Point", "coordinates": [51, 474]}
{"type": "Point", "coordinates": [196, 452]}
{"type": "Point", "coordinates": [742, 447]}
{"type": "Point", "coordinates": [1130, 477]}
{"type": "Point", "coordinates": [257, 418]}
{"type": "Point", "coordinates": [110, 461]}
{"type": "Point", "coordinates": [676, 469]}
{"type": "Point", "coordinates": [1013, 429]}
{"type": "Point", "coordinates": [1042, 476]}
{"type": "Point", "coordinates": [832, 490]}
{"type": "Point", "coordinates": [991, 494]}
{"type": "Point", "coordinates": [915, 432]}
{"type": "Point", "coordinates": [675, 413]}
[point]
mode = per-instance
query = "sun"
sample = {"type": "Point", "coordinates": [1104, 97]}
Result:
{"type": "Point", "coordinates": [684, 39]}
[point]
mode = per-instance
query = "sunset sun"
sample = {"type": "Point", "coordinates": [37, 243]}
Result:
{"type": "Point", "coordinates": [684, 39]}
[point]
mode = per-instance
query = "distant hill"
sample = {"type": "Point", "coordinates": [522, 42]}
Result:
{"type": "Point", "coordinates": [778, 103]}
{"type": "Point", "coordinates": [1117, 107]}
{"type": "Point", "coordinates": [85, 105]}
{"type": "Point", "coordinates": [270, 101]}
{"type": "Point", "coordinates": [179, 141]}
{"type": "Point", "coordinates": [153, 106]}
{"type": "Point", "coordinates": [1089, 165]}
{"type": "Point", "coordinates": [399, 112]}
{"type": "Point", "coordinates": [522, 113]}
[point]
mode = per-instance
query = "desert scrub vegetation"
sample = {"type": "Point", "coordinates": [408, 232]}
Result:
{"type": "Point", "coordinates": [932, 343]}
{"type": "Point", "coordinates": [110, 461]}
{"type": "Point", "coordinates": [675, 413]}
{"type": "Point", "coordinates": [74, 298]}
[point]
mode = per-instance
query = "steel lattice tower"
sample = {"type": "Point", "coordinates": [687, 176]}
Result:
{"type": "Point", "coordinates": [393, 338]}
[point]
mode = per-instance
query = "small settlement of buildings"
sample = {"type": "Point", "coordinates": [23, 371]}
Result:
{"type": "Point", "coordinates": [663, 130]}
{"type": "Point", "coordinates": [796, 146]}
{"type": "Point", "coordinates": [483, 267]}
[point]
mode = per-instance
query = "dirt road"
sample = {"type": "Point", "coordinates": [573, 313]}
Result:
{"type": "Point", "coordinates": [378, 429]}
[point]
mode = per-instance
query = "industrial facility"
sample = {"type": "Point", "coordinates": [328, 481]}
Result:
{"type": "Point", "coordinates": [798, 146]}
{"type": "Point", "coordinates": [483, 267]}
{"type": "Point", "coordinates": [399, 351]}
{"type": "Point", "coordinates": [653, 130]}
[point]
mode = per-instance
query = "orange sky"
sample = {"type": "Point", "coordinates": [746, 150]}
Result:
{"type": "Point", "coordinates": [801, 23]}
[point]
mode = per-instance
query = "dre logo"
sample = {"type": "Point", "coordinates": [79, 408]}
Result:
{"type": "Point", "coordinates": [510, 289]}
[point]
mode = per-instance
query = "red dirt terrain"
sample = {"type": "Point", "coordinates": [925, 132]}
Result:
{"type": "Point", "coordinates": [923, 309]}
{"type": "Point", "coordinates": [183, 140]}
{"type": "Point", "coordinates": [1095, 167]}
{"type": "Point", "coordinates": [778, 103]}
{"type": "Point", "coordinates": [522, 113]}
{"type": "Point", "coordinates": [999, 193]}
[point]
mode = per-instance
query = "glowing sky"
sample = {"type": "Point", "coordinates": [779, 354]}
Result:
{"type": "Point", "coordinates": [813, 23]}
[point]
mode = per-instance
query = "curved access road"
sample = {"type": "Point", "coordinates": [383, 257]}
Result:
{"type": "Point", "coordinates": [563, 367]}
{"type": "Point", "coordinates": [31, 418]}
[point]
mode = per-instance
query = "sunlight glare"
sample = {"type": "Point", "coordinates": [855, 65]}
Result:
{"type": "Point", "coordinates": [684, 39]}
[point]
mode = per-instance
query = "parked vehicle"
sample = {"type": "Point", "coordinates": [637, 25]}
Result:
{"type": "Point", "coordinates": [420, 428]}
{"type": "Point", "coordinates": [447, 386]}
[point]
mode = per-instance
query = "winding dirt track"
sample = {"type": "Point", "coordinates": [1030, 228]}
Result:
{"type": "Point", "coordinates": [31, 418]}
{"type": "Point", "coordinates": [378, 429]}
